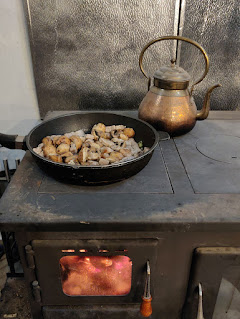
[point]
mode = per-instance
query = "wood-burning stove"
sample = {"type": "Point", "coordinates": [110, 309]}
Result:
{"type": "Point", "coordinates": [183, 221]}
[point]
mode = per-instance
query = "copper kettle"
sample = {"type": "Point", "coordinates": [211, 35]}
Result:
{"type": "Point", "coordinates": [169, 105]}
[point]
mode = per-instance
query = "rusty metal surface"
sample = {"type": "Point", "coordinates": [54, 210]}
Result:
{"type": "Point", "coordinates": [215, 25]}
{"type": "Point", "coordinates": [85, 54]}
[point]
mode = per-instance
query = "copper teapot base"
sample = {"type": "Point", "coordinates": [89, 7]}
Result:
{"type": "Point", "coordinates": [175, 115]}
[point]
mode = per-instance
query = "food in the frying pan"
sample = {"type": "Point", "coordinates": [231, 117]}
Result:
{"type": "Point", "coordinates": [105, 145]}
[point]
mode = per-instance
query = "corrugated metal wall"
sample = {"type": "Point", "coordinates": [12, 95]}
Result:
{"type": "Point", "coordinates": [85, 53]}
{"type": "Point", "coordinates": [215, 24]}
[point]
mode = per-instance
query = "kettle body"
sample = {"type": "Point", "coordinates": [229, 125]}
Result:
{"type": "Point", "coordinates": [169, 105]}
{"type": "Point", "coordinates": [172, 111]}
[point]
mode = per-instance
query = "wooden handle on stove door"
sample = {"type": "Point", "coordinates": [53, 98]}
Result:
{"type": "Point", "coordinates": [146, 307]}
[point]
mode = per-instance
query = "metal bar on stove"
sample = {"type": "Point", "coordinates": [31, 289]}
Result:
{"type": "Point", "coordinates": [6, 169]}
{"type": "Point", "coordinates": [17, 161]}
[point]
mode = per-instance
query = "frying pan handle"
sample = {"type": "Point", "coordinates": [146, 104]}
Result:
{"type": "Point", "coordinates": [13, 141]}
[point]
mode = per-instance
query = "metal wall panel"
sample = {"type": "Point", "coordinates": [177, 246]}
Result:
{"type": "Point", "coordinates": [215, 24]}
{"type": "Point", "coordinates": [85, 53]}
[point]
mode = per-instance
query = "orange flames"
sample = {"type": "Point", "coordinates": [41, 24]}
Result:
{"type": "Point", "coordinates": [96, 275]}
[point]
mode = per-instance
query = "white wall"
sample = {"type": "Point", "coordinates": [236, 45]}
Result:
{"type": "Point", "coordinates": [18, 101]}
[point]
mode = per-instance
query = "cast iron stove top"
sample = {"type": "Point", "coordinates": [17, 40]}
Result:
{"type": "Point", "coordinates": [189, 184]}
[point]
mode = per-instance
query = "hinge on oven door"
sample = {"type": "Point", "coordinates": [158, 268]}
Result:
{"type": "Point", "coordinates": [29, 256]}
{"type": "Point", "coordinates": [36, 291]}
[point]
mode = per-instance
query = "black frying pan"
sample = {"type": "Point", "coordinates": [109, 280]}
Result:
{"type": "Point", "coordinates": [89, 174]}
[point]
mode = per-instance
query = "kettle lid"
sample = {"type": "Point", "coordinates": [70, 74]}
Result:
{"type": "Point", "coordinates": [171, 77]}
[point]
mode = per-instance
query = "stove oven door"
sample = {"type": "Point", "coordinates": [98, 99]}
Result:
{"type": "Point", "coordinates": [93, 277]}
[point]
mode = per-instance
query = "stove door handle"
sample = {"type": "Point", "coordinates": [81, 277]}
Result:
{"type": "Point", "coordinates": [13, 141]}
{"type": "Point", "coordinates": [146, 307]}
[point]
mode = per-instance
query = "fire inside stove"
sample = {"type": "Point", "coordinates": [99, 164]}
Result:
{"type": "Point", "coordinates": [96, 275]}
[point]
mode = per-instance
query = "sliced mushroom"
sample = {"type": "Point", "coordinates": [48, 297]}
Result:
{"type": "Point", "coordinates": [83, 155]}
{"type": "Point", "coordinates": [89, 137]}
{"type": "Point", "coordinates": [49, 150]}
{"type": "Point", "coordinates": [73, 159]}
{"type": "Point", "coordinates": [115, 133]}
{"type": "Point", "coordinates": [105, 155]}
{"type": "Point", "coordinates": [118, 144]}
{"type": "Point", "coordinates": [110, 128]}
{"type": "Point", "coordinates": [63, 140]}
{"type": "Point", "coordinates": [133, 146]}
{"type": "Point", "coordinates": [117, 140]}
{"type": "Point", "coordinates": [47, 141]}
{"type": "Point", "coordinates": [67, 154]}
{"type": "Point", "coordinates": [107, 135]}
{"type": "Point", "coordinates": [103, 161]}
{"type": "Point", "coordinates": [120, 127]}
{"type": "Point", "coordinates": [93, 163]}
{"type": "Point", "coordinates": [95, 146]}
{"type": "Point", "coordinates": [93, 155]}
{"type": "Point", "coordinates": [77, 141]}
{"type": "Point", "coordinates": [55, 158]}
{"type": "Point", "coordinates": [123, 137]}
{"type": "Point", "coordinates": [106, 150]}
{"type": "Point", "coordinates": [106, 142]}
{"type": "Point", "coordinates": [129, 132]}
{"type": "Point", "coordinates": [98, 130]}
{"type": "Point", "coordinates": [115, 157]}
{"type": "Point", "coordinates": [125, 152]}
{"type": "Point", "coordinates": [63, 148]}
{"type": "Point", "coordinates": [54, 139]}
{"type": "Point", "coordinates": [73, 148]}
{"type": "Point", "coordinates": [115, 128]}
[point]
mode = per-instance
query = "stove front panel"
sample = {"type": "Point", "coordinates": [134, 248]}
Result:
{"type": "Point", "coordinates": [78, 272]}
{"type": "Point", "coordinates": [92, 312]}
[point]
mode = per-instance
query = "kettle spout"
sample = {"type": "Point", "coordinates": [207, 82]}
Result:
{"type": "Point", "coordinates": [203, 114]}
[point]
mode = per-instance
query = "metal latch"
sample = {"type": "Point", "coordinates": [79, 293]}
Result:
{"type": "Point", "coordinates": [29, 256]}
{"type": "Point", "coordinates": [200, 303]}
{"type": "Point", "coordinates": [36, 291]}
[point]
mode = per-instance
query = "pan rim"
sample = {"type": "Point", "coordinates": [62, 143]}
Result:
{"type": "Point", "coordinates": [79, 167]}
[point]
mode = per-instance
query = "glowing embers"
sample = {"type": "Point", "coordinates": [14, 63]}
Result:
{"type": "Point", "coordinates": [96, 275]}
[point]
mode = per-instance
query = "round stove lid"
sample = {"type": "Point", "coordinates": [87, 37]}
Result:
{"type": "Point", "coordinates": [222, 148]}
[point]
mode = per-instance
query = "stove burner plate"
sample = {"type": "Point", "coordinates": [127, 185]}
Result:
{"type": "Point", "coordinates": [222, 148]}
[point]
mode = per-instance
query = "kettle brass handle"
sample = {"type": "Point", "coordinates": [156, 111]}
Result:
{"type": "Point", "coordinates": [175, 37]}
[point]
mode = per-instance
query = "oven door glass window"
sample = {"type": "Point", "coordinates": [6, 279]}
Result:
{"type": "Point", "coordinates": [96, 275]}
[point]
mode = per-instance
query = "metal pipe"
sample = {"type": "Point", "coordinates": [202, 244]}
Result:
{"type": "Point", "coordinates": [17, 161]}
{"type": "Point", "coordinates": [6, 170]}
